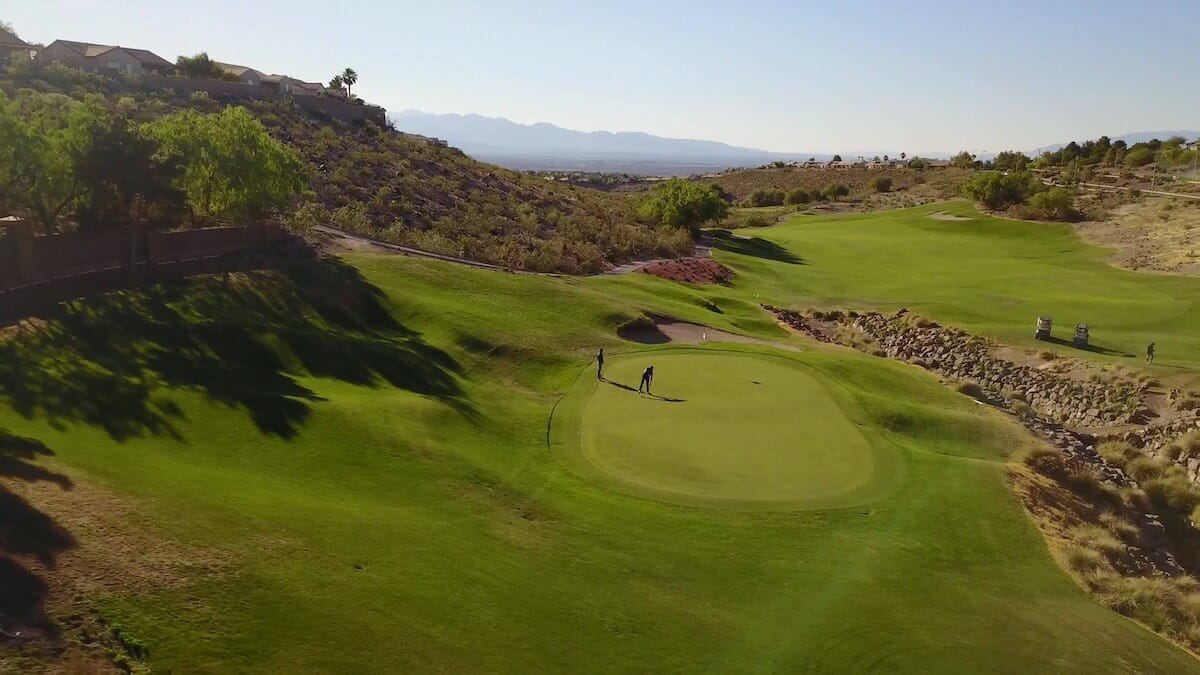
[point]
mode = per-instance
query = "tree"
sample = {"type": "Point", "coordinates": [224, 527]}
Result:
{"type": "Point", "coordinates": [201, 66]}
{"type": "Point", "coordinates": [349, 78]}
{"type": "Point", "coordinates": [684, 204]}
{"type": "Point", "coordinates": [121, 177]}
{"type": "Point", "coordinates": [917, 163]}
{"type": "Point", "coordinates": [336, 83]}
{"type": "Point", "coordinates": [963, 160]}
{"type": "Point", "coordinates": [1139, 156]}
{"type": "Point", "coordinates": [903, 155]}
{"type": "Point", "coordinates": [1011, 160]}
{"type": "Point", "coordinates": [881, 183]}
{"type": "Point", "coordinates": [798, 196]}
{"type": "Point", "coordinates": [230, 167]}
{"type": "Point", "coordinates": [36, 168]}
{"type": "Point", "coordinates": [837, 158]}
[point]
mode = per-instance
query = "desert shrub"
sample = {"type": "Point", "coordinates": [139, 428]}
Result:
{"type": "Point", "coordinates": [1117, 452]}
{"type": "Point", "coordinates": [1119, 527]}
{"type": "Point", "coordinates": [835, 191]}
{"type": "Point", "coordinates": [1089, 483]}
{"type": "Point", "coordinates": [767, 198]}
{"type": "Point", "coordinates": [1174, 492]}
{"type": "Point", "coordinates": [997, 190]}
{"type": "Point", "coordinates": [798, 196]}
{"type": "Point", "coordinates": [1145, 467]}
{"type": "Point", "coordinates": [306, 217]}
{"type": "Point", "coordinates": [971, 389]}
{"type": "Point", "coordinates": [1053, 204]}
{"type": "Point", "coordinates": [881, 183]}
{"type": "Point", "coordinates": [1045, 460]}
{"type": "Point", "coordinates": [1097, 539]}
{"type": "Point", "coordinates": [1047, 355]}
{"type": "Point", "coordinates": [1022, 409]}
{"type": "Point", "coordinates": [1083, 559]}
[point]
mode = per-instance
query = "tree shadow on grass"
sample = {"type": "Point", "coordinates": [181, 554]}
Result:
{"type": "Point", "coordinates": [756, 247]}
{"type": "Point", "coordinates": [26, 532]}
{"type": "Point", "coordinates": [241, 340]}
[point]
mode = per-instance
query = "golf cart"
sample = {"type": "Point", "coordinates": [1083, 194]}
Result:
{"type": "Point", "coordinates": [1043, 328]}
{"type": "Point", "coordinates": [1081, 335]}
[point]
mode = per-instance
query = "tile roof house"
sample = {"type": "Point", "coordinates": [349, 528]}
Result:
{"type": "Point", "coordinates": [125, 60]}
{"type": "Point", "coordinates": [13, 47]}
{"type": "Point", "coordinates": [245, 74]}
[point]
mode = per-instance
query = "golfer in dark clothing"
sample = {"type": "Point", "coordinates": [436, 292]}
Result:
{"type": "Point", "coordinates": [600, 364]}
{"type": "Point", "coordinates": [1150, 353]}
{"type": "Point", "coordinates": [647, 379]}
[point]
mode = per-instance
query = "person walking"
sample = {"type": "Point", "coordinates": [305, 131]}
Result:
{"type": "Point", "coordinates": [647, 379]}
{"type": "Point", "coordinates": [600, 364]}
{"type": "Point", "coordinates": [1150, 353]}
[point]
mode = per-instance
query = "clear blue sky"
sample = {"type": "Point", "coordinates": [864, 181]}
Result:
{"type": "Point", "coordinates": [921, 75]}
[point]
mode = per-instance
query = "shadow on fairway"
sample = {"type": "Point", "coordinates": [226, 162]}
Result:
{"type": "Point", "coordinates": [755, 247]}
{"type": "Point", "coordinates": [618, 385]}
{"type": "Point", "coordinates": [666, 399]}
{"type": "Point", "coordinates": [242, 341]}
{"type": "Point", "coordinates": [26, 531]}
{"type": "Point", "coordinates": [1094, 348]}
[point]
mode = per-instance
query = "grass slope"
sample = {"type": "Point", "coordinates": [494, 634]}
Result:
{"type": "Point", "coordinates": [408, 518]}
{"type": "Point", "coordinates": [988, 275]}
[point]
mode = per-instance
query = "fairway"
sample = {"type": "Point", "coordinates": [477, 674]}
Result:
{"type": "Point", "coordinates": [727, 429]}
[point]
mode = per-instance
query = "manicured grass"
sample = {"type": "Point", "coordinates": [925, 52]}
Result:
{"type": "Point", "coordinates": [723, 429]}
{"type": "Point", "coordinates": [383, 491]}
{"type": "Point", "coordinates": [988, 275]}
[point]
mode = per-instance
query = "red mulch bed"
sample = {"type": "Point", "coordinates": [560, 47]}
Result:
{"type": "Point", "coordinates": [691, 270]}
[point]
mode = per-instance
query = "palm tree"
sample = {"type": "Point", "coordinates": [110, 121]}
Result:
{"type": "Point", "coordinates": [336, 83]}
{"type": "Point", "coordinates": [350, 78]}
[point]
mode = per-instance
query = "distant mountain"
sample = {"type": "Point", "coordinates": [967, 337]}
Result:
{"type": "Point", "coordinates": [546, 146]}
{"type": "Point", "coordinates": [1130, 138]}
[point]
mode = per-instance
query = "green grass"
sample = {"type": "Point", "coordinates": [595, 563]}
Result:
{"type": "Point", "coordinates": [723, 429]}
{"type": "Point", "coordinates": [376, 469]}
{"type": "Point", "coordinates": [988, 275]}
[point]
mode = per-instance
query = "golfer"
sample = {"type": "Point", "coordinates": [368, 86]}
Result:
{"type": "Point", "coordinates": [1150, 353]}
{"type": "Point", "coordinates": [647, 379]}
{"type": "Point", "coordinates": [600, 364]}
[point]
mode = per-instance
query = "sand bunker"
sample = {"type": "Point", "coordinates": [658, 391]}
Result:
{"type": "Point", "coordinates": [942, 215]}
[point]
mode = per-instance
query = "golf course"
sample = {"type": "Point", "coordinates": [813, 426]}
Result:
{"type": "Point", "coordinates": [411, 466]}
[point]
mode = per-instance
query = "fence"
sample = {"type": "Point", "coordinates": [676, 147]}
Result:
{"type": "Point", "coordinates": [26, 260]}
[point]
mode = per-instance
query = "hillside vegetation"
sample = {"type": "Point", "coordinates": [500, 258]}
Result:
{"type": "Point", "coordinates": [402, 188]}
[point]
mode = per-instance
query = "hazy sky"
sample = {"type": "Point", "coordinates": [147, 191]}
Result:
{"type": "Point", "coordinates": [919, 75]}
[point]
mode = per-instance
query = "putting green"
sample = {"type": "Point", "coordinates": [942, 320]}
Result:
{"type": "Point", "coordinates": [723, 428]}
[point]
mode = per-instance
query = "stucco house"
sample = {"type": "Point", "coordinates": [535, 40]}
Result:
{"type": "Point", "coordinates": [124, 60]}
{"type": "Point", "coordinates": [13, 48]}
{"type": "Point", "coordinates": [1194, 145]}
{"type": "Point", "coordinates": [286, 84]}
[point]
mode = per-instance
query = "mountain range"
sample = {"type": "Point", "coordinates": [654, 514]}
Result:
{"type": "Point", "coordinates": [548, 147]}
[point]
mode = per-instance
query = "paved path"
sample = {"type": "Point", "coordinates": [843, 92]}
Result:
{"type": "Point", "coordinates": [703, 250]}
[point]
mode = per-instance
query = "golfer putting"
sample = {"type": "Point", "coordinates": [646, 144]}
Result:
{"type": "Point", "coordinates": [647, 379]}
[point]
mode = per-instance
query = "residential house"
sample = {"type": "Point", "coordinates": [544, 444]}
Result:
{"type": "Point", "coordinates": [13, 48]}
{"type": "Point", "coordinates": [247, 75]}
{"type": "Point", "coordinates": [124, 60]}
{"type": "Point", "coordinates": [1194, 145]}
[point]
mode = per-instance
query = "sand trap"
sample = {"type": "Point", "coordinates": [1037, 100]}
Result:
{"type": "Point", "coordinates": [683, 332]}
{"type": "Point", "coordinates": [942, 215]}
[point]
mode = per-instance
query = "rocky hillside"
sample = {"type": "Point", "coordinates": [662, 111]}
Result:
{"type": "Point", "coordinates": [409, 189]}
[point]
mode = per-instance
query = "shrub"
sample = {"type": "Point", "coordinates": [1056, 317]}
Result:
{"type": "Point", "coordinates": [881, 183]}
{"type": "Point", "coordinates": [1097, 539]}
{"type": "Point", "coordinates": [1045, 460]}
{"type": "Point", "coordinates": [835, 191]}
{"type": "Point", "coordinates": [1117, 452]}
{"type": "Point", "coordinates": [1047, 355]}
{"type": "Point", "coordinates": [798, 196]}
{"type": "Point", "coordinates": [767, 198]}
{"type": "Point", "coordinates": [1022, 409]}
{"type": "Point", "coordinates": [1083, 559]}
{"type": "Point", "coordinates": [1144, 468]}
{"type": "Point", "coordinates": [1119, 527]}
{"type": "Point", "coordinates": [997, 190]}
{"type": "Point", "coordinates": [1053, 204]}
{"type": "Point", "coordinates": [971, 389]}
{"type": "Point", "coordinates": [756, 221]}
